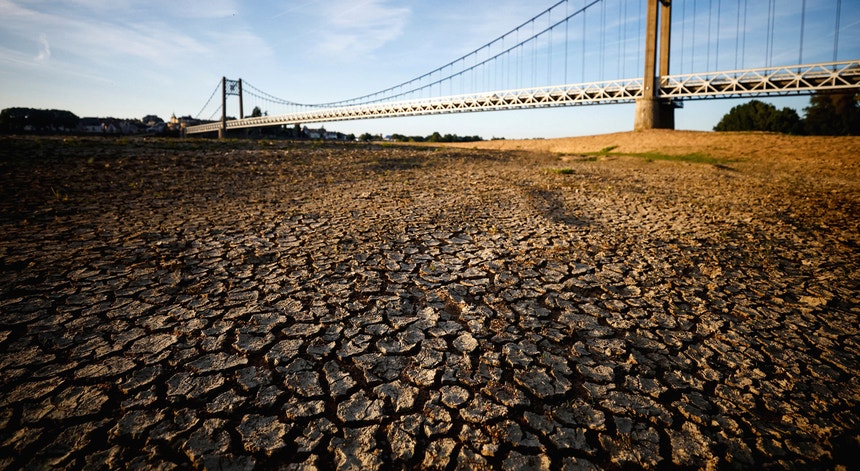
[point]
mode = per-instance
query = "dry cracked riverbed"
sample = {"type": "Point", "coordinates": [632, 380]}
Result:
{"type": "Point", "coordinates": [239, 305]}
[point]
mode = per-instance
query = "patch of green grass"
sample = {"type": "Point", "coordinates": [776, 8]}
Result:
{"type": "Point", "coordinates": [603, 152]}
{"type": "Point", "coordinates": [607, 150]}
{"type": "Point", "coordinates": [695, 157]}
{"type": "Point", "coordinates": [562, 171]}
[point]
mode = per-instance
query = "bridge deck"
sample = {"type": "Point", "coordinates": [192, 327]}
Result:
{"type": "Point", "coordinates": [786, 80]}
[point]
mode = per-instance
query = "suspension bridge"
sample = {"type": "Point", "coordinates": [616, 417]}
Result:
{"type": "Point", "coordinates": [563, 56]}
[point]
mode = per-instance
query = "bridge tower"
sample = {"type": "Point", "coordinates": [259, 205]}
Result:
{"type": "Point", "coordinates": [653, 112]}
{"type": "Point", "coordinates": [229, 87]}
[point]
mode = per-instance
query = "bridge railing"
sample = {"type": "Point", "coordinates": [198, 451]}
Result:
{"type": "Point", "coordinates": [766, 81]}
{"type": "Point", "coordinates": [609, 91]}
{"type": "Point", "coordinates": [756, 82]}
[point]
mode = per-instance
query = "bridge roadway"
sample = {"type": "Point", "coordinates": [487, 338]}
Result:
{"type": "Point", "coordinates": [768, 81]}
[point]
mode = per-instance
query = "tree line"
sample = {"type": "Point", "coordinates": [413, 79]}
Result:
{"type": "Point", "coordinates": [33, 120]}
{"type": "Point", "coordinates": [828, 114]}
{"type": "Point", "coordinates": [435, 137]}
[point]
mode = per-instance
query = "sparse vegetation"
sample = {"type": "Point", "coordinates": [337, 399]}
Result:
{"type": "Point", "coordinates": [695, 157]}
{"type": "Point", "coordinates": [607, 150]}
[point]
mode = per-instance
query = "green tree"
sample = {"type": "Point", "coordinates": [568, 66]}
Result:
{"type": "Point", "coordinates": [833, 114]}
{"type": "Point", "coordinates": [256, 112]}
{"type": "Point", "coordinates": [759, 116]}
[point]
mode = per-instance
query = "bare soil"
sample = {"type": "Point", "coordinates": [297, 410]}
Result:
{"type": "Point", "coordinates": [822, 160]}
{"type": "Point", "coordinates": [544, 304]}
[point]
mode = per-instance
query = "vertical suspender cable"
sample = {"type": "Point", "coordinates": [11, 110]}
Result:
{"type": "Point", "coordinates": [771, 26]}
{"type": "Point", "coordinates": [618, 40]}
{"type": "Point", "coordinates": [602, 37]}
{"type": "Point", "coordinates": [836, 29]}
{"type": "Point", "coordinates": [566, 36]}
{"type": "Point", "coordinates": [710, 20]}
{"type": "Point", "coordinates": [640, 51]}
{"type": "Point", "coordinates": [744, 40]}
{"type": "Point", "coordinates": [624, 41]}
{"type": "Point", "coordinates": [534, 55]}
{"type": "Point", "coordinates": [500, 82]}
{"type": "Point", "coordinates": [602, 40]}
{"type": "Point", "coordinates": [549, 50]}
{"type": "Point", "coordinates": [717, 51]}
{"type": "Point", "coordinates": [738, 33]}
{"type": "Point", "coordinates": [519, 63]}
{"type": "Point", "coordinates": [802, 26]}
{"type": "Point", "coordinates": [693, 46]}
{"type": "Point", "coordinates": [584, 36]}
{"type": "Point", "coordinates": [621, 35]}
{"type": "Point", "coordinates": [683, 33]}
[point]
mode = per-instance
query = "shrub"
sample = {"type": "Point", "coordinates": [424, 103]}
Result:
{"type": "Point", "coordinates": [760, 116]}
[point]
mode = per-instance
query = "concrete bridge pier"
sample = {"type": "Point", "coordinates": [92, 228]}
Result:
{"type": "Point", "coordinates": [653, 112]}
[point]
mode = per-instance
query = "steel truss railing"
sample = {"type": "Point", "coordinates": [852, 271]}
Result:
{"type": "Point", "coordinates": [613, 91]}
{"type": "Point", "coordinates": [765, 81]}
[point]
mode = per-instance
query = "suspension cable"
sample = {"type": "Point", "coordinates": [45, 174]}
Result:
{"type": "Point", "coordinates": [265, 96]}
{"type": "Point", "coordinates": [475, 66]}
{"type": "Point", "coordinates": [209, 100]}
{"type": "Point", "coordinates": [212, 116]}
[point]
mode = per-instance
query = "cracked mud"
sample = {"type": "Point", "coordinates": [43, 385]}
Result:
{"type": "Point", "coordinates": [196, 304]}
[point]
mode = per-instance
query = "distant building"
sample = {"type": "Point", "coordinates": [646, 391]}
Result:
{"type": "Point", "coordinates": [90, 125]}
{"type": "Point", "coordinates": [321, 133]}
{"type": "Point", "coordinates": [314, 133]}
{"type": "Point", "coordinates": [109, 126]}
{"type": "Point", "coordinates": [179, 124]}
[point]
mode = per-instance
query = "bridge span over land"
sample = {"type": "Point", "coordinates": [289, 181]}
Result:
{"type": "Point", "coordinates": [564, 48]}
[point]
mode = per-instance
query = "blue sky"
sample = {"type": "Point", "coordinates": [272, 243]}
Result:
{"type": "Point", "coordinates": [129, 58]}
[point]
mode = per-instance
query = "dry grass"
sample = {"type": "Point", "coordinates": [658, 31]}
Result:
{"type": "Point", "coordinates": [835, 159]}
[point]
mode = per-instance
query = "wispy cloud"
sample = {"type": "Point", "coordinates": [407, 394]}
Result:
{"type": "Point", "coordinates": [114, 32]}
{"type": "Point", "coordinates": [360, 28]}
{"type": "Point", "coordinates": [202, 10]}
{"type": "Point", "coordinates": [44, 48]}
